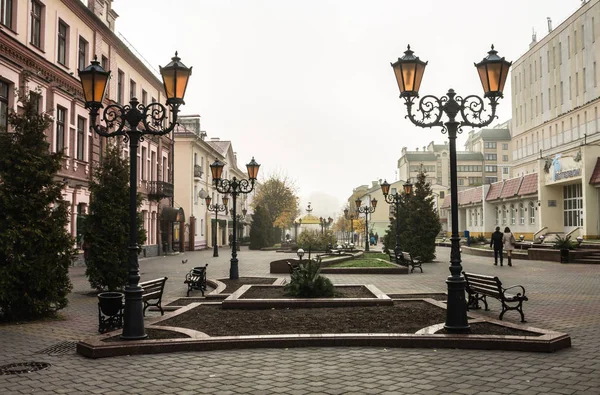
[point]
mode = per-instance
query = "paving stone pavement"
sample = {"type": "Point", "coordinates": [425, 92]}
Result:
{"type": "Point", "coordinates": [564, 298]}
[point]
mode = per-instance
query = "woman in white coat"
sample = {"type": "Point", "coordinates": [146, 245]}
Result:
{"type": "Point", "coordinates": [508, 239]}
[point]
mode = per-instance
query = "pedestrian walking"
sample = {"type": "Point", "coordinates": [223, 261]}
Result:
{"type": "Point", "coordinates": [497, 243]}
{"type": "Point", "coordinates": [509, 241]}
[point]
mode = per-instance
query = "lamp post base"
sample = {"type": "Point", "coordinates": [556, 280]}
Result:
{"type": "Point", "coordinates": [133, 318]}
{"type": "Point", "coordinates": [233, 269]}
{"type": "Point", "coordinates": [456, 306]}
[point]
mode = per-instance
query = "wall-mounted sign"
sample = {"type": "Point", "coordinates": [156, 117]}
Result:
{"type": "Point", "coordinates": [551, 203]}
{"type": "Point", "coordinates": [562, 168]}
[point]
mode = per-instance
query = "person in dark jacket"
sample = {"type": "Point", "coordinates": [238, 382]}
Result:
{"type": "Point", "coordinates": [498, 244]}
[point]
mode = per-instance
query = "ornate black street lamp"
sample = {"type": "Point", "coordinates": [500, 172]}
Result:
{"type": "Point", "coordinates": [493, 71]}
{"type": "Point", "coordinates": [366, 210]}
{"type": "Point", "coordinates": [395, 199]}
{"type": "Point", "coordinates": [216, 208]}
{"type": "Point", "coordinates": [325, 222]}
{"type": "Point", "coordinates": [349, 216]}
{"type": "Point", "coordinates": [234, 187]}
{"type": "Point", "coordinates": [125, 120]}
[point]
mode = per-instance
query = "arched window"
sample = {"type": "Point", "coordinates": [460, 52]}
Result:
{"type": "Point", "coordinates": [513, 214]}
{"type": "Point", "coordinates": [532, 213]}
{"type": "Point", "coordinates": [470, 214]}
{"type": "Point", "coordinates": [521, 214]}
{"type": "Point", "coordinates": [504, 210]}
{"type": "Point", "coordinates": [497, 216]}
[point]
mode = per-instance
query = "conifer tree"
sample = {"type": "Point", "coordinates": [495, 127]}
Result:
{"type": "Point", "coordinates": [261, 230]}
{"type": "Point", "coordinates": [36, 248]}
{"type": "Point", "coordinates": [107, 225]}
{"type": "Point", "coordinates": [423, 222]}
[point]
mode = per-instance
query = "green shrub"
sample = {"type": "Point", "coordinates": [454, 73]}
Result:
{"type": "Point", "coordinates": [481, 238]}
{"type": "Point", "coordinates": [307, 282]}
{"type": "Point", "coordinates": [316, 241]}
{"type": "Point", "coordinates": [564, 243]}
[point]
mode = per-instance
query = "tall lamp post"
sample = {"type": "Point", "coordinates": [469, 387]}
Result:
{"type": "Point", "coordinates": [234, 187]}
{"type": "Point", "coordinates": [350, 216]}
{"type": "Point", "coordinates": [125, 120]}
{"type": "Point", "coordinates": [366, 210]}
{"type": "Point", "coordinates": [493, 71]}
{"type": "Point", "coordinates": [216, 208]}
{"type": "Point", "coordinates": [395, 199]}
{"type": "Point", "coordinates": [325, 222]}
{"type": "Point", "coordinates": [240, 225]}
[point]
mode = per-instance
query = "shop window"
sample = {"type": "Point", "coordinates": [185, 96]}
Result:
{"type": "Point", "coordinates": [532, 213]}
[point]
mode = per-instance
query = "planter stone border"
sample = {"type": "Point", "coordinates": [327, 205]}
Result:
{"type": "Point", "coordinates": [546, 341]}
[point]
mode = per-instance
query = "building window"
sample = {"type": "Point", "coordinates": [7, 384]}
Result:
{"type": "Point", "coordinates": [576, 84]}
{"type": "Point", "coordinates": [584, 81]}
{"type": "Point", "coordinates": [569, 47]}
{"type": "Point", "coordinates": [575, 40]}
{"type": "Point", "coordinates": [573, 205]}
{"type": "Point", "coordinates": [61, 116]}
{"type": "Point", "coordinates": [489, 144]}
{"type": "Point", "coordinates": [562, 94]}
{"type": "Point", "coordinates": [36, 23]}
{"type": "Point", "coordinates": [82, 54]}
{"type": "Point", "coordinates": [6, 13]}
{"type": "Point", "coordinates": [513, 214]}
{"type": "Point", "coordinates": [559, 53]}
{"type": "Point", "coordinates": [504, 210]}
{"type": "Point", "coordinates": [491, 180]}
{"type": "Point", "coordinates": [531, 213]}
{"type": "Point", "coordinates": [491, 169]}
{"type": "Point", "coordinates": [549, 100]}
{"type": "Point", "coordinates": [4, 89]}
{"type": "Point", "coordinates": [132, 89]}
{"type": "Point", "coordinates": [498, 217]}
{"type": "Point", "coordinates": [471, 215]}
{"type": "Point", "coordinates": [595, 76]}
{"type": "Point", "coordinates": [542, 103]}
{"type": "Point", "coordinates": [461, 181]}
{"type": "Point", "coordinates": [120, 93]}
{"type": "Point", "coordinates": [202, 227]}
{"type": "Point", "coordinates": [143, 160]}
{"type": "Point", "coordinates": [505, 170]}
{"type": "Point", "coordinates": [105, 63]}
{"type": "Point", "coordinates": [80, 137]}
{"type": "Point", "coordinates": [491, 157]}
{"type": "Point", "coordinates": [504, 146]}
{"type": "Point", "coordinates": [582, 36]}
{"type": "Point", "coordinates": [521, 214]}
{"type": "Point", "coordinates": [63, 33]}
{"type": "Point", "coordinates": [441, 194]}
{"type": "Point", "coordinates": [144, 97]}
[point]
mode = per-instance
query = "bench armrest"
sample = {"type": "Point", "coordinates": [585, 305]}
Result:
{"type": "Point", "coordinates": [515, 286]}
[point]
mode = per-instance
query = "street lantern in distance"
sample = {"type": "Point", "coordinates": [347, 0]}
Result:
{"type": "Point", "coordinates": [407, 187]}
{"type": "Point", "coordinates": [385, 188]}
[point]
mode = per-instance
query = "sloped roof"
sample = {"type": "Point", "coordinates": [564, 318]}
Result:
{"type": "Point", "coordinates": [511, 187]}
{"type": "Point", "coordinates": [447, 201]}
{"type": "Point", "coordinates": [469, 196]}
{"type": "Point", "coordinates": [495, 191]}
{"type": "Point", "coordinates": [420, 157]}
{"type": "Point", "coordinates": [478, 156]}
{"type": "Point", "coordinates": [595, 178]}
{"type": "Point", "coordinates": [495, 134]}
{"type": "Point", "coordinates": [220, 146]}
{"type": "Point", "coordinates": [530, 184]}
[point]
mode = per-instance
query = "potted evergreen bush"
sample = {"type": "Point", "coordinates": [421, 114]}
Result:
{"type": "Point", "coordinates": [564, 244]}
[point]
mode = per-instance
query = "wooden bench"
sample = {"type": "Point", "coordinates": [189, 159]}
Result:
{"type": "Point", "coordinates": [152, 294]}
{"type": "Point", "coordinates": [479, 287]}
{"type": "Point", "coordinates": [392, 255]}
{"type": "Point", "coordinates": [407, 259]}
{"type": "Point", "coordinates": [196, 279]}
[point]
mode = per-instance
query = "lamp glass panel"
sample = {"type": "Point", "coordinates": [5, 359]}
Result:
{"type": "Point", "coordinates": [503, 77]}
{"type": "Point", "coordinates": [493, 72]}
{"type": "Point", "coordinates": [374, 203]}
{"type": "Point", "coordinates": [169, 82]}
{"type": "Point", "coordinates": [225, 201]}
{"type": "Point", "coordinates": [216, 169]}
{"type": "Point", "coordinates": [483, 76]}
{"type": "Point", "coordinates": [252, 171]}
{"type": "Point", "coordinates": [398, 74]}
{"type": "Point", "coordinates": [385, 188]}
{"type": "Point", "coordinates": [357, 202]}
{"type": "Point", "coordinates": [100, 83]}
{"type": "Point", "coordinates": [181, 80]}
{"type": "Point", "coordinates": [408, 76]}
{"type": "Point", "coordinates": [208, 199]}
{"type": "Point", "coordinates": [419, 71]}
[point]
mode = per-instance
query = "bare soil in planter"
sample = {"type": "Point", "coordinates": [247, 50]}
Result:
{"type": "Point", "coordinates": [278, 293]}
{"type": "Point", "coordinates": [233, 285]}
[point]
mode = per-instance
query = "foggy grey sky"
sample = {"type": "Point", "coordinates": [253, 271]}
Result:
{"type": "Point", "coordinates": [306, 86]}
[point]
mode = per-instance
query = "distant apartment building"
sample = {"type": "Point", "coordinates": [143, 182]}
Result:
{"type": "Point", "coordinates": [43, 44]}
{"type": "Point", "coordinates": [495, 146]}
{"type": "Point", "coordinates": [554, 157]}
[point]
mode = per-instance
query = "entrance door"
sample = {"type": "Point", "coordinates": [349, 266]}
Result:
{"type": "Point", "coordinates": [572, 207]}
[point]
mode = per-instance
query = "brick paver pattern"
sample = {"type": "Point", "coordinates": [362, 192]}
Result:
{"type": "Point", "coordinates": [564, 298]}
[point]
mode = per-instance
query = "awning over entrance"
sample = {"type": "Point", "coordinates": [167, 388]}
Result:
{"type": "Point", "coordinates": [172, 214]}
{"type": "Point", "coordinates": [595, 178]}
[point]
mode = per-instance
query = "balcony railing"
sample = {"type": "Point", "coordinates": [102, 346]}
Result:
{"type": "Point", "coordinates": [158, 190]}
{"type": "Point", "coordinates": [198, 171]}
